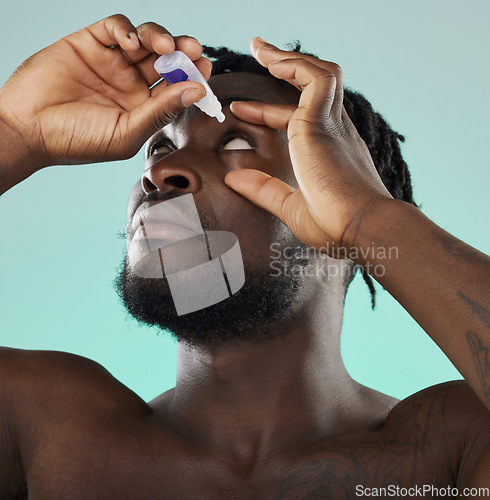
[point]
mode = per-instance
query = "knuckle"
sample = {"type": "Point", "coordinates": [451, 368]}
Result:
{"type": "Point", "coordinates": [158, 123]}
{"type": "Point", "coordinates": [335, 69]}
{"type": "Point", "coordinates": [171, 116]}
{"type": "Point", "coordinates": [321, 68]}
{"type": "Point", "coordinates": [148, 25]}
{"type": "Point", "coordinates": [119, 18]}
{"type": "Point", "coordinates": [151, 26]}
{"type": "Point", "coordinates": [301, 61]}
{"type": "Point", "coordinates": [186, 38]}
{"type": "Point", "coordinates": [164, 119]}
{"type": "Point", "coordinates": [328, 78]}
{"type": "Point", "coordinates": [144, 28]}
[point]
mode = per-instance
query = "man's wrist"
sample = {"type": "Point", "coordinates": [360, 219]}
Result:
{"type": "Point", "coordinates": [17, 158]}
{"type": "Point", "coordinates": [371, 239]}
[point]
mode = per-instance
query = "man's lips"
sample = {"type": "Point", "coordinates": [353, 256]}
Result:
{"type": "Point", "coordinates": [166, 231]}
{"type": "Point", "coordinates": [166, 221]}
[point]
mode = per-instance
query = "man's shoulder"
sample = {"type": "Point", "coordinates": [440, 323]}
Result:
{"type": "Point", "coordinates": [448, 419]}
{"type": "Point", "coordinates": [47, 397]}
{"type": "Point", "coordinates": [43, 381]}
{"type": "Point", "coordinates": [22, 362]}
{"type": "Point", "coordinates": [428, 438]}
{"type": "Point", "coordinates": [26, 368]}
{"type": "Point", "coordinates": [450, 403]}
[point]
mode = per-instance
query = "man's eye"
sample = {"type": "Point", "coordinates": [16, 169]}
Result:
{"type": "Point", "coordinates": [237, 143]}
{"type": "Point", "coordinates": [160, 150]}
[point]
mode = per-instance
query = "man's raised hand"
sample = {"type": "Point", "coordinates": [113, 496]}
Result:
{"type": "Point", "coordinates": [87, 97]}
{"type": "Point", "coordinates": [338, 183]}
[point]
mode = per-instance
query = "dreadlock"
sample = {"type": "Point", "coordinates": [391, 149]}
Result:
{"type": "Point", "coordinates": [382, 141]}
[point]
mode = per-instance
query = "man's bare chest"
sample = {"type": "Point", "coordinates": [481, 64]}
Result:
{"type": "Point", "coordinates": [134, 469]}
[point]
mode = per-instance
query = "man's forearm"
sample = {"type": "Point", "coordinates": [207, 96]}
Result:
{"type": "Point", "coordinates": [442, 282]}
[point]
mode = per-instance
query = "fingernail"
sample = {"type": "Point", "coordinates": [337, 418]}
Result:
{"type": "Point", "coordinates": [260, 39]}
{"type": "Point", "coordinates": [133, 37]}
{"type": "Point", "coordinates": [190, 96]}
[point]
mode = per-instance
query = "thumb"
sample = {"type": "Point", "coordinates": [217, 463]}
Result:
{"type": "Point", "coordinates": [265, 191]}
{"type": "Point", "coordinates": [161, 108]}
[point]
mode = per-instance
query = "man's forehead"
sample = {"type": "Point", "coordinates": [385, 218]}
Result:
{"type": "Point", "coordinates": [250, 86]}
{"type": "Point", "coordinates": [229, 87]}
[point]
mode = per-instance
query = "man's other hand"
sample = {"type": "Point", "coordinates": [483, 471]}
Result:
{"type": "Point", "coordinates": [338, 182]}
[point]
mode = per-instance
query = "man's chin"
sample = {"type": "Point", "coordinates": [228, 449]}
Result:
{"type": "Point", "coordinates": [252, 314]}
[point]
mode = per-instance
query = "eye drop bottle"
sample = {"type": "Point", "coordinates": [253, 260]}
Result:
{"type": "Point", "coordinates": [177, 67]}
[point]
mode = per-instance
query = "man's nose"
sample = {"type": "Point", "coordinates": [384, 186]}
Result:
{"type": "Point", "coordinates": [165, 177]}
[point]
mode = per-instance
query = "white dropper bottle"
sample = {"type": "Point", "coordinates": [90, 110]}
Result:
{"type": "Point", "coordinates": [177, 67]}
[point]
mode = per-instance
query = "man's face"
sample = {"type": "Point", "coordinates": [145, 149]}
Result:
{"type": "Point", "coordinates": [193, 155]}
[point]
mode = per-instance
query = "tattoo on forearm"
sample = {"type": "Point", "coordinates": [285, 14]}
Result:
{"type": "Point", "coordinates": [482, 312]}
{"type": "Point", "coordinates": [461, 250]}
{"type": "Point", "coordinates": [479, 350]}
{"type": "Point", "coordinates": [481, 359]}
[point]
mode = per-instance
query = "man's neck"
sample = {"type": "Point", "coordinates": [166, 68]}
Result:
{"type": "Point", "coordinates": [247, 400]}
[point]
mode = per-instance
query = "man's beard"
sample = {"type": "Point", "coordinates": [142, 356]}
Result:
{"type": "Point", "coordinates": [257, 312]}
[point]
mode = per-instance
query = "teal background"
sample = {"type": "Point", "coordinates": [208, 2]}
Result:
{"type": "Point", "coordinates": [423, 64]}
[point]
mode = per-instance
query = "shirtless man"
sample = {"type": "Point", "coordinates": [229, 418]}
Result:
{"type": "Point", "coordinates": [264, 409]}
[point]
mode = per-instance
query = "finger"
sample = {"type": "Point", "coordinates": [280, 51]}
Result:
{"type": "Point", "coordinates": [275, 116]}
{"type": "Point", "coordinates": [204, 65]}
{"type": "Point", "coordinates": [266, 53]}
{"type": "Point", "coordinates": [190, 46]}
{"type": "Point", "coordinates": [97, 60]}
{"type": "Point", "coordinates": [161, 108]}
{"type": "Point", "coordinates": [265, 191]}
{"type": "Point", "coordinates": [318, 87]}
{"type": "Point", "coordinates": [155, 38]}
{"type": "Point", "coordinates": [108, 46]}
{"type": "Point", "coordinates": [117, 29]}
